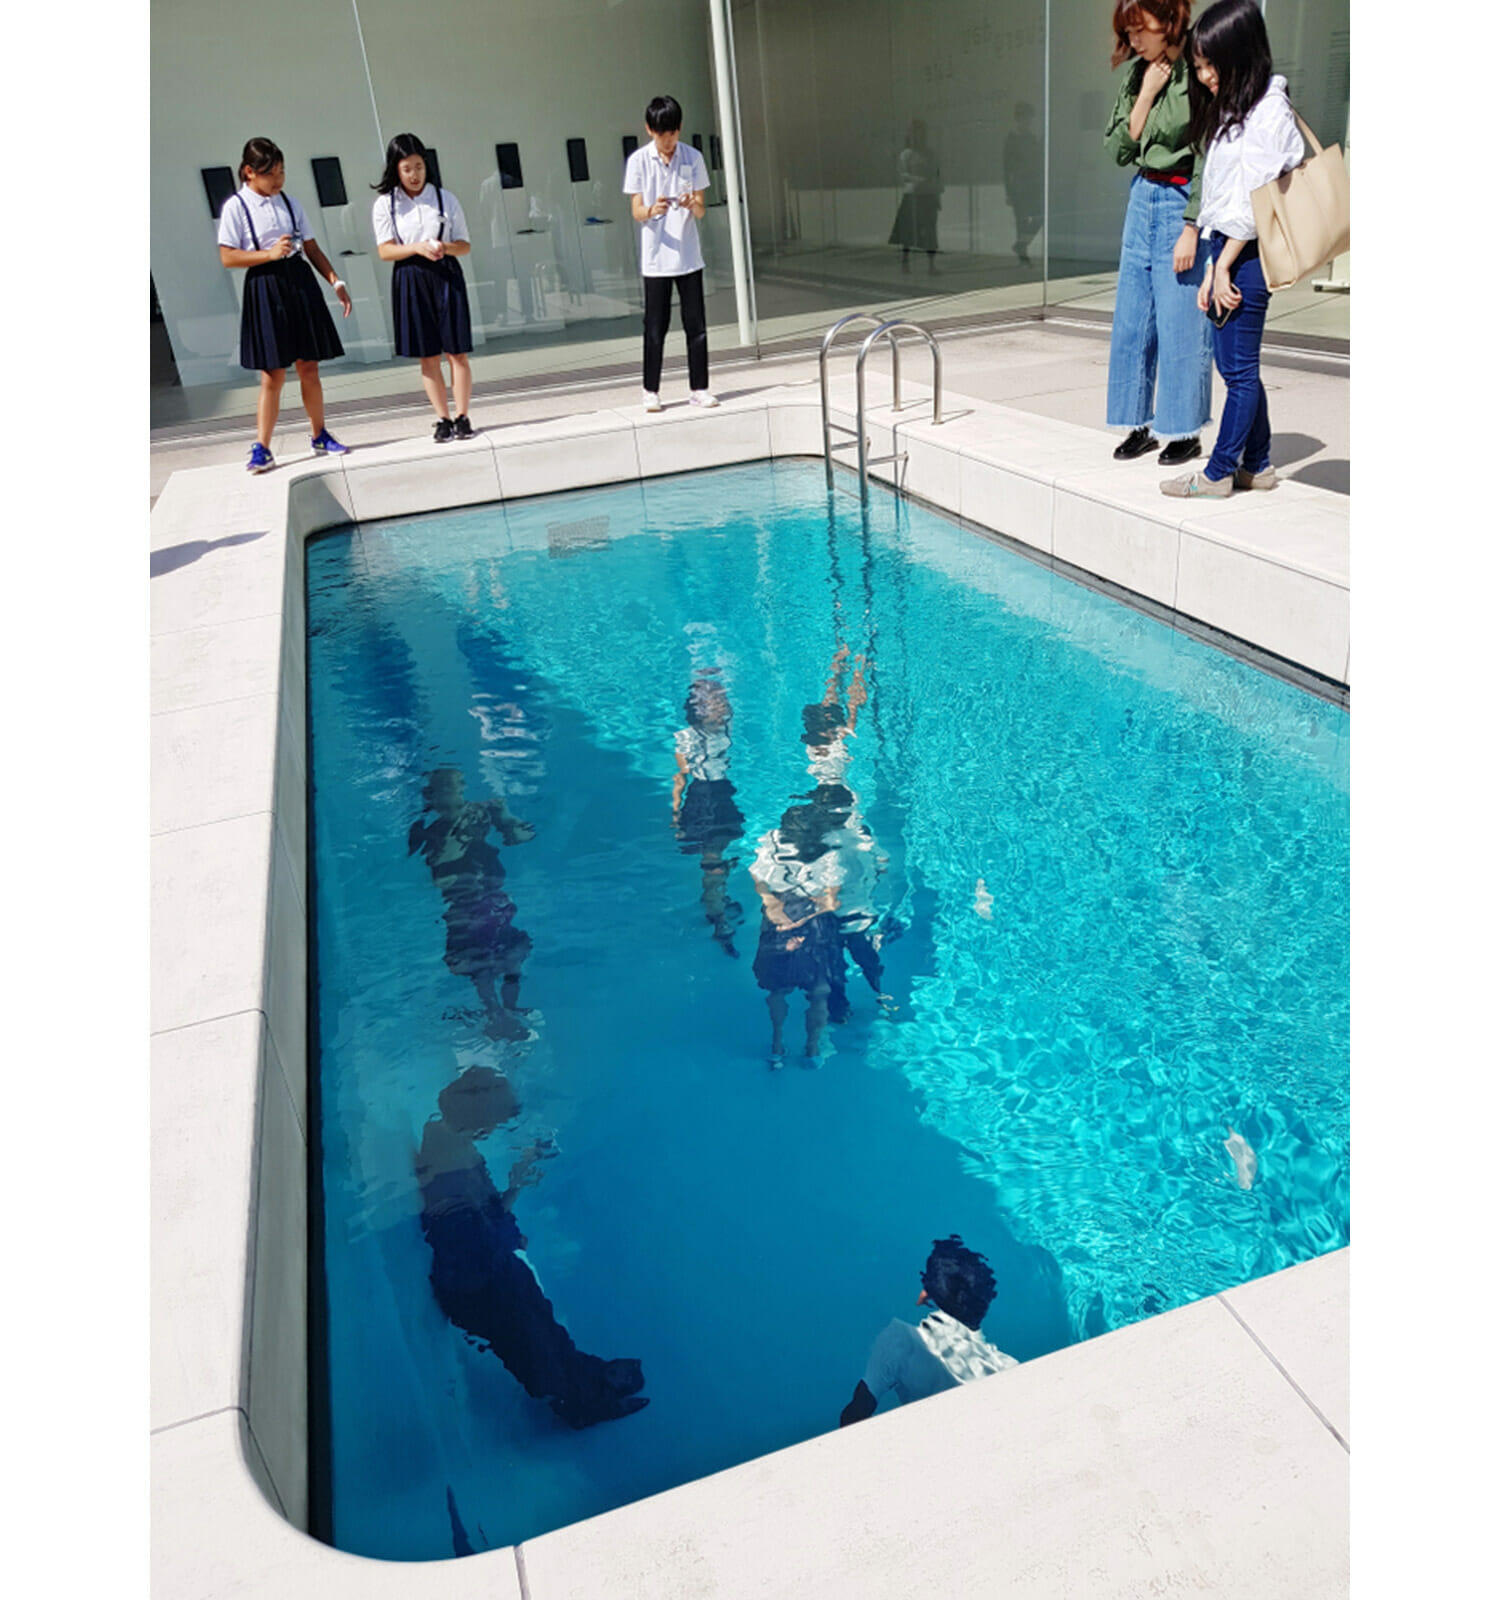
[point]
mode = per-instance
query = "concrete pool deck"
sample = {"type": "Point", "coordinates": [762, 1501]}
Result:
{"type": "Point", "coordinates": [1204, 1449]}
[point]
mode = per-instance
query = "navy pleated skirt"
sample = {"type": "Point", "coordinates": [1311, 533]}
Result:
{"type": "Point", "coordinates": [432, 307]}
{"type": "Point", "coordinates": [285, 317]}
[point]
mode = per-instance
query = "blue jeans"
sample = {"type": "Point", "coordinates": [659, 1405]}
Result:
{"type": "Point", "coordinates": [1245, 428]}
{"type": "Point", "coordinates": [1160, 357]}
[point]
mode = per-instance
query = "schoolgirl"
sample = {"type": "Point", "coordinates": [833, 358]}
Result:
{"type": "Point", "coordinates": [1243, 122]}
{"type": "Point", "coordinates": [421, 228]}
{"type": "Point", "coordinates": [1160, 364]}
{"type": "Point", "coordinates": [284, 320]}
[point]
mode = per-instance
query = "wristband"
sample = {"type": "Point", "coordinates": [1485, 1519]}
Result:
{"type": "Point", "coordinates": [338, 283]}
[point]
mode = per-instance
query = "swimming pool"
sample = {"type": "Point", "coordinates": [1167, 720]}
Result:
{"type": "Point", "coordinates": [1103, 869]}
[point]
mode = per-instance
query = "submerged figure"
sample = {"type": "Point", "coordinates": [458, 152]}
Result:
{"type": "Point", "coordinates": [484, 943]}
{"type": "Point", "coordinates": [704, 811]}
{"type": "Point", "coordinates": [815, 877]}
{"type": "Point", "coordinates": [815, 874]}
{"type": "Point", "coordinates": [480, 1277]}
{"type": "Point", "coordinates": [795, 874]}
{"type": "Point", "coordinates": [946, 1348]}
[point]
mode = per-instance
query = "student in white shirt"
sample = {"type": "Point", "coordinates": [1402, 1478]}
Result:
{"type": "Point", "coordinates": [284, 319]}
{"type": "Point", "coordinates": [666, 181]}
{"type": "Point", "coordinates": [946, 1348]}
{"type": "Point", "coordinates": [1243, 122]}
{"type": "Point", "coordinates": [421, 227]}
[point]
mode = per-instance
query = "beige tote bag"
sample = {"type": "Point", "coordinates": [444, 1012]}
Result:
{"type": "Point", "coordinates": [1302, 217]}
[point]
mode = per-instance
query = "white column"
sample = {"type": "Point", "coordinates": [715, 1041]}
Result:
{"type": "Point", "coordinates": [729, 139]}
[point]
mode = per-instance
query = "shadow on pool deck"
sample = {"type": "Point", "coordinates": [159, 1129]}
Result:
{"type": "Point", "coordinates": [182, 555]}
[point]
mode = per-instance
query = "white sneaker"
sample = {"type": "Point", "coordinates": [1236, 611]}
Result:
{"type": "Point", "coordinates": [651, 401]}
{"type": "Point", "coordinates": [701, 397]}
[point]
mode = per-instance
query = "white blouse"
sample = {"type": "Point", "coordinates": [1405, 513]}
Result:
{"type": "Point", "coordinates": [419, 219]}
{"type": "Point", "coordinates": [1265, 145]}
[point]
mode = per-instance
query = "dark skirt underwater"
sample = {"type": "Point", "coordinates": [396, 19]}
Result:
{"type": "Point", "coordinates": [285, 318]}
{"type": "Point", "coordinates": [710, 818]}
{"type": "Point", "coordinates": [809, 956]}
{"type": "Point", "coordinates": [432, 308]}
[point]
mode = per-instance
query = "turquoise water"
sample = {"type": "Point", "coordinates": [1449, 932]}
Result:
{"type": "Point", "coordinates": [1106, 868]}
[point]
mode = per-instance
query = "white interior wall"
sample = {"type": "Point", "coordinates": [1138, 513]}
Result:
{"type": "Point", "coordinates": [296, 78]}
{"type": "Point", "coordinates": [464, 75]}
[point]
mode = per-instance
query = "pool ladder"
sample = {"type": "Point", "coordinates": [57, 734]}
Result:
{"type": "Point", "coordinates": [888, 332]}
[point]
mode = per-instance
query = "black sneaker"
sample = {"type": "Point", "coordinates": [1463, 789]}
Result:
{"type": "Point", "coordinates": [461, 428]}
{"type": "Point", "coordinates": [443, 433]}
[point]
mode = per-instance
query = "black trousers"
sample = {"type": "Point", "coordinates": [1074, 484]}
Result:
{"type": "Point", "coordinates": [694, 325]}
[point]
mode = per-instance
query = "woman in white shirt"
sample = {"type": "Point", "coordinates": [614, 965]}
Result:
{"type": "Point", "coordinates": [1244, 123]}
{"type": "Point", "coordinates": [421, 228]}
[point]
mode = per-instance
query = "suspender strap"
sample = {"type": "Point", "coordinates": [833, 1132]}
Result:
{"type": "Point", "coordinates": [442, 214]}
{"type": "Point", "coordinates": [254, 242]}
{"type": "Point", "coordinates": [291, 219]}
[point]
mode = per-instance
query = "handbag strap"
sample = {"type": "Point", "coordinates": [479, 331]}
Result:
{"type": "Point", "coordinates": [1307, 132]}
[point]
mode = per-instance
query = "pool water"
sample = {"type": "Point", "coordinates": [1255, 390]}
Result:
{"type": "Point", "coordinates": [1098, 870]}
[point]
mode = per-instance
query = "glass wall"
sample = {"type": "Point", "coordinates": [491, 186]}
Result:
{"type": "Point", "coordinates": [937, 158]}
{"type": "Point", "coordinates": [894, 155]}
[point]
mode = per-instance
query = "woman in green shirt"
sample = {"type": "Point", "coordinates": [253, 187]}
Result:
{"type": "Point", "coordinates": [1160, 349]}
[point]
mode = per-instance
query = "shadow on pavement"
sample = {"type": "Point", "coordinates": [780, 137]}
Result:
{"type": "Point", "coordinates": [181, 555]}
{"type": "Point", "coordinates": [1332, 475]}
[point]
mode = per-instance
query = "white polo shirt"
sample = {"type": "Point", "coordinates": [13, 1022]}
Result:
{"type": "Point", "coordinates": [419, 219]}
{"type": "Point", "coordinates": [271, 215]}
{"type": "Point", "coordinates": [939, 1354]}
{"type": "Point", "coordinates": [669, 244]}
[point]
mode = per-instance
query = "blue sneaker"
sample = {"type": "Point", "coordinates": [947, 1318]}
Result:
{"type": "Point", "coordinates": [326, 445]}
{"type": "Point", "coordinates": [261, 459]}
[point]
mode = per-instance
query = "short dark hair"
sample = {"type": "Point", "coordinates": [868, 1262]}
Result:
{"type": "Point", "coordinates": [1171, 14]}
{"type": "Point", "coordinates": [1231, 37]}
{"type": "Point", "coordinates": [664, 115]}
{"type": "Point", "coordinates": [260, 155]}
{"type": "Point", "coordinates": [397, 151]}
{"type": "Point", "coordinates": [958, 1280]}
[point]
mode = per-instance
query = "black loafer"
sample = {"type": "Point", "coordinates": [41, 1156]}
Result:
{"type": "Point", "coordinates": [1135, 443]}
{"type": "Point", "coordinates": [1178, 451]}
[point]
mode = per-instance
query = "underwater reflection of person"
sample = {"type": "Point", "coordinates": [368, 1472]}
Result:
{"type": "Point", "coordinates": [705, 814]}
{"type": "Point", "coordinates": [480, 1276]}
{"type": "Point", "coordinates": [797, 873]}
{"type": "Point", "coordinates": [484, 943]}
{"type": "Point", "coordinates": [946, 1348]}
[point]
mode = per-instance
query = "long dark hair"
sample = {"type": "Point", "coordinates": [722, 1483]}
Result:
{"type": "Point", "coordinates": [402, 146]}
{"type": "Point", "coordinates": [1231, 37]}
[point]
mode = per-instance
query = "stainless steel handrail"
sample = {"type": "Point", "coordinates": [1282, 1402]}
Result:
{"type": "Point", "coordinates": [828, 338]}
{"type": "Point", "coordinates": [889, 330]}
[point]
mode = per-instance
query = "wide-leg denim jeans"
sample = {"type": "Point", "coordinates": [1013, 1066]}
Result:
{"type": "Point", "coordinates": [1245, 427]}
{"type": "Point", "coordinates": [1160, 355]}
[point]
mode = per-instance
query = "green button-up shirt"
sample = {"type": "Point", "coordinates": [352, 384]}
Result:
{"type": "Point", "coordinates": [1163, 145]}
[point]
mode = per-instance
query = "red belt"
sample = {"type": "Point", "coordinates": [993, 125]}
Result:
{"type": "Point", "coordinates": [1179, 180]}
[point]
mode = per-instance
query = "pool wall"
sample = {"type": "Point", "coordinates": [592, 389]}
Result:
{"type": "Point", "coordinates": [1229, 1415]}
